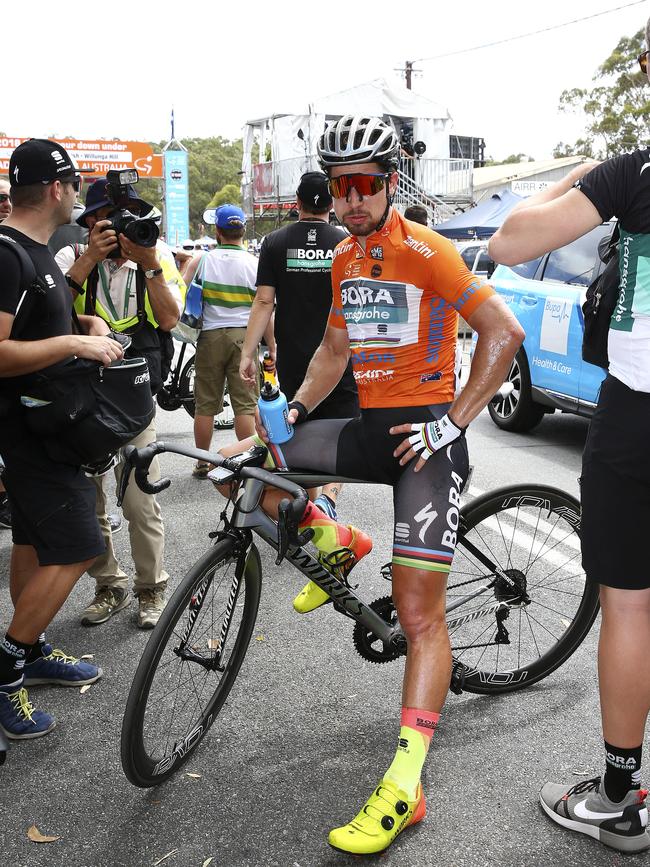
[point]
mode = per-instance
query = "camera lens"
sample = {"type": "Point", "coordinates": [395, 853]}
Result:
{"type": "Point", "coordinates": [144, 233]}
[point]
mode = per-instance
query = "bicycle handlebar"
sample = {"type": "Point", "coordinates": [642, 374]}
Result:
{"type": "Point", "coordinates": [289, 512]}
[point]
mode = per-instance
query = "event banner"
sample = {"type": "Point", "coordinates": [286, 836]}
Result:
{"type": "Point", "coordinates": [98, 156]}
{"type": "Point", "coordinates": [177, 197]}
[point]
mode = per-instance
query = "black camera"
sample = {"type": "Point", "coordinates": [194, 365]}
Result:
{"type": "Point", "coordinates": [141, 230]}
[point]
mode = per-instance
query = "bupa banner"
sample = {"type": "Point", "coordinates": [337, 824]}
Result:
{"type": "Point", "coordinates": [177, 197]}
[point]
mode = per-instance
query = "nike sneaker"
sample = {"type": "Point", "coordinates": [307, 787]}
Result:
{"type": "Point", "coordinates": [339, 562]}
{"type": "Point", "coordinates": [585, 808]}
{"type": "Point", "coordinates": [386, 813]}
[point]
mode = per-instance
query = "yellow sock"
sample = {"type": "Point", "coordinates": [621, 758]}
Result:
{"type": "Point", "coordinates": [412, 748]}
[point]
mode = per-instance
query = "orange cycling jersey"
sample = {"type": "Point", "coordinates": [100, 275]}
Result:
{"type": "Point", "coordinates": [399, 300]}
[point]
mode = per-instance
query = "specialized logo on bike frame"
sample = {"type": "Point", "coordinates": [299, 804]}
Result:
{"type": "Point", "coordinates": [366, 301]}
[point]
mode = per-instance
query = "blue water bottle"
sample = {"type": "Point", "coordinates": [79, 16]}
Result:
{"type": "Point", "coordinates": [274, 413]}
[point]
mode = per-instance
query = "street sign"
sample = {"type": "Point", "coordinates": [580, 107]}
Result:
{"type": "Point", "coordinates": [177, 197]}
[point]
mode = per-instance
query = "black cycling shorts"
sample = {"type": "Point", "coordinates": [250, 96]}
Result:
{"type": "Point", "coordinates": [426, 504]}
{"type": "Point", "coordinates": [615, 489]}
{"type": "Point", "coordinates": [52, 506]}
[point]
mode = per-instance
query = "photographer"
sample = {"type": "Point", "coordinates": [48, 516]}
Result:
{"type": "Point", "coordinates": [137, 290]}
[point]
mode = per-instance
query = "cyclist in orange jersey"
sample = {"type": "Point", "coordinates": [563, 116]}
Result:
{"type": "Point", "coordinates": [397, 290]}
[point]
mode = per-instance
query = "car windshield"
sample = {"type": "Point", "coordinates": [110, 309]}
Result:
{"type": "Point", "coordinates": [575, 262]}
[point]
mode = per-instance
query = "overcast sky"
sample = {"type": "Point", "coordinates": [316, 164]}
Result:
{"type": "Point", "coordinates": [222, 63]}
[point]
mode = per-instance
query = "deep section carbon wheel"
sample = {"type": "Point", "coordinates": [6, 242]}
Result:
{"type": "Point", "coordinates": [190, 662]}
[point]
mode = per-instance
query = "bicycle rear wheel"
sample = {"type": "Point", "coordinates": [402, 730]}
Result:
{"type": "Point", "coordinates": [531, 619]}
{"type": "Point", "coordinates": [190, 663]}
{"type": "Point", "coordinates": [186, 387]}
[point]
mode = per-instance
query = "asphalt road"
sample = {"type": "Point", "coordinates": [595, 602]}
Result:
{"type": "Point", "coordinates": [310, 726]}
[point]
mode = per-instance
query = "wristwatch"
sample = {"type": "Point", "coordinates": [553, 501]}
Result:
{"type": "Point", "coordinates": [153, 273]}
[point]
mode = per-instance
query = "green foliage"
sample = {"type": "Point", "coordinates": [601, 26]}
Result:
{"type": "Point", "coordinates": [617, 110]}
{"type": "Point", "coordinates": [228, 194]}
{"type": "Point", "coordinates": [513, 158]}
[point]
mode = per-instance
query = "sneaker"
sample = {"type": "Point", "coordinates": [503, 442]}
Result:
{"type": "Point", "coordinates": [342, 561]}
{"type": "Point", "coordinates": [201, 470]}
{"type": "Point", "coordinates": [115, 523]}
{"type": "Point", "coordinates": [5, 513]}
{"type": "Point", "coordinates": [150, 606]}
{"type": "Point", "coordinates": [57, 667]}
{"type": "Point", "coordinates": [584, 808]}
{"type": "Point", "coordinates": [107, 602]}
{"type": "Point", "coordinates": [386, 813]}
{"type": "Point", "coordinates": [18, 718]}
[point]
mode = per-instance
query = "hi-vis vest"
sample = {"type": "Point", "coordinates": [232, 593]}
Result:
{"type": "Point", "coordinates": [169, 273]}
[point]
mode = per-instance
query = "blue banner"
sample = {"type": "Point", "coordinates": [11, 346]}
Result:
{"type": "Point", "coordinates": [177, 198]}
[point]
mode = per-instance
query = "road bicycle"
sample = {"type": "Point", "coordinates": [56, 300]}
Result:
{"type": "Point", "coordinates": [518, 604]}
{"type": "Point", "coordinates": [178, 391]}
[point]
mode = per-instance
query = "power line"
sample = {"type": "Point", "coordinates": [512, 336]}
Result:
{"type": "Point", "coordinates": [526, 35]}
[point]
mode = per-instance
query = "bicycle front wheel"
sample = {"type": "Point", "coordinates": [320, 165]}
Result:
{"type": "Point", "coordinates": [514, 628]}
{"type": "Point", "coordinates": [190, 663]}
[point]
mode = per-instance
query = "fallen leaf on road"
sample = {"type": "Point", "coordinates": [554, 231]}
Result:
{"type": "Point", "coordinates": [35, 836]}
{"type": "Point", "coordinates": [194, 776]}
{"type": "Point", "coordinates": [87, 656]}
{"type": "Point", "coordinates": [206, 862]}
{"type": "Point", "coordinates": [260, 638]}
{"type": "Point", "coordinates": [85, 688]}
{"type": "Point", "coordinates": [164, 857]}
{"type": "Point", "coordinates": [213, 643]}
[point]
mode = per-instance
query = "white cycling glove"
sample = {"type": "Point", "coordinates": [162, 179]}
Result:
{"type": "Point", "coordinates": [432, 436]}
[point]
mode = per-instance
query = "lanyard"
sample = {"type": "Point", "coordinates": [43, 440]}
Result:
{"type": "Point", "coordinates": [106, 283]}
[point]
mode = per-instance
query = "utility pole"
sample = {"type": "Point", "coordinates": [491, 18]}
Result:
{"type": "Point", "coordinates": [408, 72]}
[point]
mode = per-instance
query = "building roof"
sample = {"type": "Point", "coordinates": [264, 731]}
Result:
{"type": "Point", "coordinates": [490, 176]}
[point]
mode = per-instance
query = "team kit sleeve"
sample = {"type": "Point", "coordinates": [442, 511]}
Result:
{"type": "Point", "coordinates": [10, 282]}
{"type": "Point", "coordinates": [608, 186]}
{"type": "Point", "coordinates": [265, 275]}
{"type": "Point", "coordinates": [453, 281]}
{"type": "Point", "coordinates": [336, 319]}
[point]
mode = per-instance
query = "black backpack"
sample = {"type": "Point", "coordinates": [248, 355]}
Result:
{"type": "Point", "coordinates": [600, 303]}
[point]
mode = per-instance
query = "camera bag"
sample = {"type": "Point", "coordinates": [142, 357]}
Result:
{"type": "Point", "coordinates": [600, 302]}
{"type": "Point", "coordinates": [82, 411]}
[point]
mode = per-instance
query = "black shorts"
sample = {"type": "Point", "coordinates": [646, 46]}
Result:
{"type": "Point", "coordinates": [426, 504]}
{"type": "Point", "coordinates": [615, 489]}
{"type": "Point", "coordinates": [52, 506]}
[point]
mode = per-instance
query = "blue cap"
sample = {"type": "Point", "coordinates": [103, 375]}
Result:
{"type": "Point", "coordinates": [230, 217]}
{"type": "Point", "coordinates": [97, 198]}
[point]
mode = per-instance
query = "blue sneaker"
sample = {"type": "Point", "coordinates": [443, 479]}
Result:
{"type": "Point", "coordinates": [18, 718]}
{"type": "Point", "coordinates": [55, 666]}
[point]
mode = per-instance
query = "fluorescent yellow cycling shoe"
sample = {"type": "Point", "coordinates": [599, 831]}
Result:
{"type": "Point", "coordinates": [311, 596]}
{"type": "Point", "coordinates": [384, 815]}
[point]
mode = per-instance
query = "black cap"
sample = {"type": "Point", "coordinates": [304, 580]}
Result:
{"type": "Point", "coordinates": [41, 161]}
{"type": "Point", "coordinates": [313, 190]}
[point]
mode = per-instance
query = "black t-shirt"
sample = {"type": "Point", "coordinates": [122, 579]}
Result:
{"type": "Point", "coordinates": [296, 261]}
{"type": "Point", "coordinates": [620, 187]}
{"type": "Point", "coordinates": [50, 315]}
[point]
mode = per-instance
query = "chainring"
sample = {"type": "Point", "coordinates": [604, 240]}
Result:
{"type": "Point", "coordinates": [366, 642]}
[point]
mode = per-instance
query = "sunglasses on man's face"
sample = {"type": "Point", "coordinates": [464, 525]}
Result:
{"type": "Point", "coordinates": [643, 61]}
{"type": "Point", "coordinates": [4, 197]}
{"type": "Point", "coordinates": [365, 185]}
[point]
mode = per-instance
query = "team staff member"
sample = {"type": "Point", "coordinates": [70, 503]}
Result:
{"type": "Point", "coordinates": [5, 211]}
{"type": "Point", "coordinates": [145, 280]}
{"type": "Point", "coordinates": [401, 327]}
{"type": "Point", "coordinates": [55, 531]}
{"type": "Point", "coordinates": [294, 274]}
{"type": "Point", "coordinates": [615, 482]}
{"type": "Point", "coordinates": [227, 277]}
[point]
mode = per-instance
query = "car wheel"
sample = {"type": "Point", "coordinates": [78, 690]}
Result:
{"type": "Point", "coordinates": [517, 412]}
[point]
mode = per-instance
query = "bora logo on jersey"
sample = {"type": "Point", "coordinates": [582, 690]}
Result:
{"type": "Point", "coordinates": [373, 301]}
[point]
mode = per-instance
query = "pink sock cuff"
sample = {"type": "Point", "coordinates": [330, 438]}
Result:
{"type": "Point", "coordinates": [423, 721]}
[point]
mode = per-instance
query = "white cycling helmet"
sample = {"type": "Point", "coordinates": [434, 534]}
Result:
{"type": "Point", "coordinates": [354, 139]}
